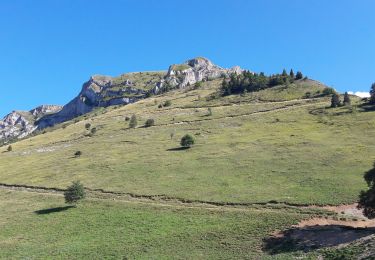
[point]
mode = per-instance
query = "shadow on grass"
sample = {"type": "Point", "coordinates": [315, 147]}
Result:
{"type": "Point", "coordinates": [177, 149]}
{"type": "Point", "coordinates": [53, 210]}
{"type": "Point", "coordinates": [313, 237]}
{"type": "Point", "coordinates": [367, 107]}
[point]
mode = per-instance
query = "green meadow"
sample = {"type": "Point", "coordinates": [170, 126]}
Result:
{"type": "Point", "coordinates": [275, 145]}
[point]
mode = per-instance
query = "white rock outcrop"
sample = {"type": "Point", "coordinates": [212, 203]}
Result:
{"type": "Point", "coordinates": [193, 71]}
{"type": "Point", "coordinates": [19, 124]}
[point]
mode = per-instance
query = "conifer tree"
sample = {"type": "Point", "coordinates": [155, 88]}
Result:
{"type": "Point", "coordinates": [335, 100]}
{"type": "Point", "coordinates": [346, 99]}
{"type": "Point", "coordinates": [291, 73]}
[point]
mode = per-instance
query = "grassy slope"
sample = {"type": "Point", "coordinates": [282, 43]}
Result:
{"type": "Point", "coordinates": [300, 155]}
{"type": "Point", "coordinates": [100, 229]}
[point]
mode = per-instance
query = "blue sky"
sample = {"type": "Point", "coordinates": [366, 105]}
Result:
{"type": "Point", "coordinates": [48, 48]}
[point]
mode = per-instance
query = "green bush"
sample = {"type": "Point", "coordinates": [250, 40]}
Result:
{"type": "Point", "coordinates": [133, 121]}
{"type": "Point", "coordinates": [78, 154]}
{"type": "Point", "coordinates": [150, 122]}
{"type": "Point", "coordinates": [328, 91]}
{"type": "Point", "coordinates": [74, 193]}
{"type": "Point", "coordinates": [10, 148]}
{"type": "Point", "coordinates": [167, 103]}
{"type": "Point", "coordinates": [87, 126]}
{"type": "Point", "coordinates": [187, 141]}
{"type": "Point", "coordinates": [209, 112]}
{"type": "Point", "coordinates": [93, 130]}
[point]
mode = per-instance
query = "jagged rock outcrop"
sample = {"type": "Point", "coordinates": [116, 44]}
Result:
{"type": "Point", "coordinates": [193, 71]}
{"type": "Point", "coordinates": [102, 91]}
{"type": "Point", "coordinates": [19, 124]}
{"type": "Point", "coordinates": [97, 92]}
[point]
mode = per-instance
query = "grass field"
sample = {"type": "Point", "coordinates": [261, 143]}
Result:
{"type": "Point", "coordinates": [293, 151]}
{"type": "Point", "coordinates": [273, 145]}
{"type": "Point", "coordinates": [35, 226]}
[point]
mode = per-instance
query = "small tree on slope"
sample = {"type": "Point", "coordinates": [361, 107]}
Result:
{"type": "Point", "coordinates": [74, 193]}
{"type": "Point", "coordinates": [133, 121]}
{"type": "Point", "coordinates": [367, 198]}
{"type": "Point", "coordinates": [347, 100]}
{"type": "Point", "coordinates": [335, 100]}
{"type": "Point", "coordinates": [372, 94]}
{"type": "Point", "coordinates": [187, 141]}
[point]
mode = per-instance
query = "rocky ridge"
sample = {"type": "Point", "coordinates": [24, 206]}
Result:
{"type": "Point", "coordinates": [19, 124]}
{"type": "Point", "coordinates": [103, 91]}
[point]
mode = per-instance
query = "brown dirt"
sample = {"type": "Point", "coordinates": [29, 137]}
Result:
{"type": "Point", "coordinates": [349, 226]}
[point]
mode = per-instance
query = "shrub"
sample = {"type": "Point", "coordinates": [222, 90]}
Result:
{"type": "Point", "coordinates": [160, 106]}
{"type": "Point", "coordinates": [87, 126]}
{"type": "Point", "coordinates": [167, 103]}
{"type": "Point", "coordinates": [299, 75]}
{"type": "Point", "coordinates": [187, 141]}
{"type": "Point", "coordinates": [93, 130]}
{"type": "Point", "coordinates": [74, 193]}
{"type": "Point", "coordinates": [133, 121]}
{"type": "Point", "coordinates": [10, 148]}
{"type": "Point", "coordinates": [328, 91]}
{"type": "Point", "coordinates": [198, 85]}
{"type": "Point", "coordinates": [150, 122]}
{"type": "Point", "coordinates": [78, 154]}
{"type": "Point", "coordinates": [209, 111]}
{"type": "Point", "coordinates": [127, 118]}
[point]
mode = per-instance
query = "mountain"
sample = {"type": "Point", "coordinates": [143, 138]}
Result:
{"type": "Point", "coordinates": [248, 188]}
{"type": "Point", "coordinates": [103, 91]}
{"type": "Point", "coordinates": [19, 124]}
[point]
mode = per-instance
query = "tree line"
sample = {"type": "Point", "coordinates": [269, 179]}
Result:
{"type": "Point", "coordinates": [249, 81]}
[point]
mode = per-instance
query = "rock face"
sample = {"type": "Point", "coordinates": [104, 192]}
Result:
{"type": "Point", "coordinates": [97, 92]}
{"type": "Point", "coordinates": [19, 124]}
{"type": "Point", "coordinates": [103, 91]}
{"type": "Point", "coordinates": [193, 71]}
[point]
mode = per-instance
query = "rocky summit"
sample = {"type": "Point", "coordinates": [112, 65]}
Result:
{"type": "Point", "coordinates": [193, 71]}
{"type": "Point", "coordinates": [103, 91]}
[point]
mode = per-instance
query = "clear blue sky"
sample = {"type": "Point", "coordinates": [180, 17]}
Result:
{"type": "Point", "coordinates": [48, 48]}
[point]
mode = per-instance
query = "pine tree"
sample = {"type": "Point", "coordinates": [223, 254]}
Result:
{"type": "Point", "coordinates": [335, 100]}
{"type": "Point", "coordinates": [284, 74]}
{"type": "Point", "coordinates": [74, 193]}
{"type": "Point", "coordinates": [346, 99]}
{"type": "Point", "coordinates": [299, 75]}
{"type": "Point", "coordinates": [372, 94]}
{"type": "Point", "coordinates": [291, 73]}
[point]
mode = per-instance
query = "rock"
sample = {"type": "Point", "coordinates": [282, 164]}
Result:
{"type": "Point", "coordinates": [45, 109]}
{"type": "Point", "coordinates": [102, 91]}
{"type": "Point", "coordinates": [96, 92]}
{"type": "Point", "coordinates": [19, 124]}
{"type": "Point", "coordinates": [193, 71]}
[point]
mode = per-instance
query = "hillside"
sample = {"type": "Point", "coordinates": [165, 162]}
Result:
{"type": "Point", "coordinates": [258, 158]}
